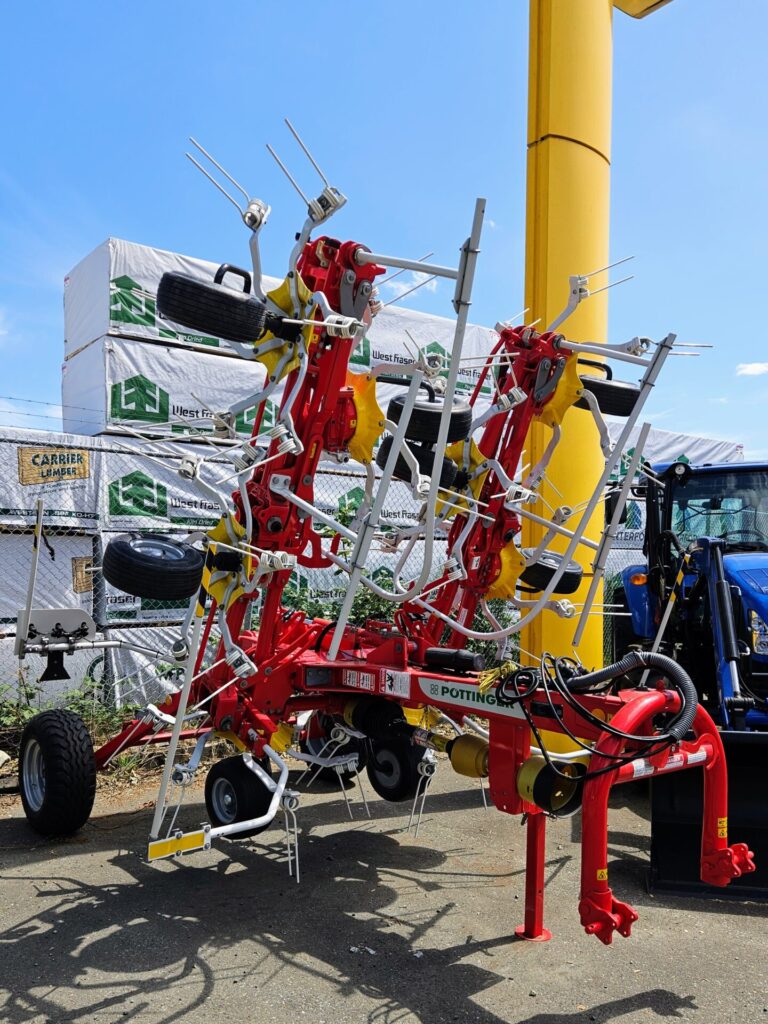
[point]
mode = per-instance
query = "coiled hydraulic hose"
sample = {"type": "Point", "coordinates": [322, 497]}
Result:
{"type": "Point", "coordinates": [677, 676]}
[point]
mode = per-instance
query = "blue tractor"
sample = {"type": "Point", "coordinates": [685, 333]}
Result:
{"type": "Point", "coordinates": [701, 596]}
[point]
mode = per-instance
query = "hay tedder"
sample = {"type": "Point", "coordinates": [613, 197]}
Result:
{"type": "Point", "coordinates": [550, 736]}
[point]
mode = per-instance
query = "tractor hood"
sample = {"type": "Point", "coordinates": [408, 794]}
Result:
{"type": "Point", "coordinates": [749, 572]}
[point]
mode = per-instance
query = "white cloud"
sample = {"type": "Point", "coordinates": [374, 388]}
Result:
{"type": "Point", "coordinates": [751, 369]}
{"type": "Point", "coordinates": [3, 323]}
{"type": "Point", "coordinates": [405, 282]}
{"type": "Point", "coordinates": [490, 223]}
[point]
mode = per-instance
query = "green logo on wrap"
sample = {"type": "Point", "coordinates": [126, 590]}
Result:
{"type": "Point", "coordinates": [245, 420]}
{"type": "Point", "coordinates": [130, 304]}
{"type": "Point", "coordinates": [138, 495]}
{"type": "Point", "coordinates": [383, 576]}
{"type": "Point", "coordinates": [139, 398]}
{"type": "Point", "coordinates": [349, 503]}
{"type": "Point", "coordinates": [361, 355]}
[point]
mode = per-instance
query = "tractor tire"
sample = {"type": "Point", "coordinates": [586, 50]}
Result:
{"type": "Point", "coordinates": [425, 458]}
{"type": "Point", "coordinates": [212, 309]}
{"type": "Point", "coordinates": [538, 575]}
{"type": "Point", "coordinates": [57, 773]}
{"type": "Point", "coordinates": [151, 565]}
{"type": "Point", "coordinates": [393, 769]}
{"type": "Point", "coordinates": [425, 419]}
{"type": "Point", "coordinates": [233, 793]}
{"type": "Point", "coordinates": [614, 397]}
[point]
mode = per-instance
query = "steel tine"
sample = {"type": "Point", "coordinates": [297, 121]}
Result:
{"type": "Point", "coordinates": [410, 290]}
{"type": "Point", "coordinates": [286, 172]}
{"type": "Point", "coordinates": [223, 170]}
{"type": "Point", "coordinates": [309, 156]}
{"type": "Point", "coordinates": [213, 181]}
{"type": "Point", "coordinates": [613, 284]}
{"type": "Point", "coordinates": [594, 273]}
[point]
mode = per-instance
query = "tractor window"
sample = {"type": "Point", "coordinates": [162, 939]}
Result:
{"type": "Point", "coordinates": [732, 504]}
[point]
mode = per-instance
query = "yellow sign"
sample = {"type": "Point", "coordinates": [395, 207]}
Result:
{"type": "Point", "coordinates": [82, 574]}
{"type": "Point", "coordinates": [602, 874]}
{"type": "Point", "coordinates": [52, 465]}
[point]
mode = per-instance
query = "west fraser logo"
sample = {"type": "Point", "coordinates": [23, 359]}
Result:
{"type": "Point", "coordinates": [139, 398]}
{"type": "Point", "coordinates": [138, 495]}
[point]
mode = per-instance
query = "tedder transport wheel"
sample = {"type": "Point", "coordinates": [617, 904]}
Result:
{"type": "Point", "coordinates": [234, 793]}
{"type": "Point", "coordinates": [393, 769]}
{"type": "Point", "coordinates": [318, 730]}
{"type": "Point", "coordinates": [614, 397]}
{"type": "Point", "coordinates": [151, 565]}
{"type": "Point", "coordinates": [425, 419]}
{"type": "Point", "coordinates": [538, 575]}
{"type": "Point", "coordinates": [212, 308]}
{"type": "Point", "coordinates": [57, 773]}
{"type": "Point", "coordinates": [425, 458]}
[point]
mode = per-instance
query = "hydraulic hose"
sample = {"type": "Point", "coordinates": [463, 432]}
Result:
{"type": "Point", "coordinates": [677, 676]}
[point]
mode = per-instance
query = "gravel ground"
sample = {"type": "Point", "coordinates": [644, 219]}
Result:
{"type": "Point", "coordinates": [383, 928]}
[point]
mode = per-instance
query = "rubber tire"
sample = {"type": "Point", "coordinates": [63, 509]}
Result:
{"type": "Point", "coordinates": [393, 769]}
{"type": "Point", "coordinates": [314, 744]}
{"type": "Point", "coordinates": [137, 572]}
{"type": "Point", "coordinates": [541, 572]}
{"type": "Point", "coordinates": [210, 308]}
{"type": "Point", "coordinates": [252, 799]}
{"type": "Point", "coordinates": [425, 419]}
{"type": "Point", "coordinates": [614, 397]}
{"type": "Point", "coordinates": [425, 458]}
{"type": "Point", "coordinates": [70, 772]}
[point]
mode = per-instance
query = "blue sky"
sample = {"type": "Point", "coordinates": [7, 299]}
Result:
{"type": "Point", "coordinates": [413, 114]}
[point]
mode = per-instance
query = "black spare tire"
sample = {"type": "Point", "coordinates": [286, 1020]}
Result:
{"type": "Point", "coordinates": [538, 575]}
{"type": "Point", "coordinates": [425, 419]}
{"type": "Point", "coordinates": [213, 309]}
{"type": "Point", "coordinates": [425, 458]}
{"type": "Point", "coordinates": [152, 565]}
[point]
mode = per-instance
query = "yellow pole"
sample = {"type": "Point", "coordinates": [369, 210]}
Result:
{"type": "Point", "coordinates": [569, 137]}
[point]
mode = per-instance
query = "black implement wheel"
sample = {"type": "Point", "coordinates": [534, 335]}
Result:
{"type": "Point", "coordinates": [152, 565]}
{"type": "Point", "coordinates": [614, 397]}
{"type": "Point", "coordinates": [425, 458]}
{"type": "Point", "coordinates": [425, 419]}
{"type": "Point", "coordinates": [211, 308]}
{"type": "Point", "coordinates": [538, 575]}
{"type": "Point", "coordinates": [57, 773]}
{"type": "Point", "coordinates": [314, 742]}
{"type": "Point", "coordinates": [393, 769]}
{"type": "Point", "coordinates": [234, 793]}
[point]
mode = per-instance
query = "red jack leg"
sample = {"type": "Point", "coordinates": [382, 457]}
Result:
{"type": "Point", "coordinates": [533, 930]}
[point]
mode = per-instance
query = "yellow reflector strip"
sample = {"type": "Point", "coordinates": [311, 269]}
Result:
{"type": "Point", "coordinates": [185, 843]}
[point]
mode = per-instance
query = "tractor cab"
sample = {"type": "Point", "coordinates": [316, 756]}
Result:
{"type": "Point", "coordinates": [706, 548]}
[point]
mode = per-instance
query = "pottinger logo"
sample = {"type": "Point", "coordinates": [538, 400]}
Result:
{"type": "Point", "coordinates": [138, 495]}
{"type": "Point", "coordinates": [139, 398]}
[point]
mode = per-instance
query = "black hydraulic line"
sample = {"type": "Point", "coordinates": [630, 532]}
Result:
{"type": "Point", "coordinates": [725, 607]}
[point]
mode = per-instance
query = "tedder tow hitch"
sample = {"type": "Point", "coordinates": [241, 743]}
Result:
{"type": "Point", "coordinates": [344, 698]}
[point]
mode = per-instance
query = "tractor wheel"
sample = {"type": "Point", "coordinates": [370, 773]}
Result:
{"type": "Point", "coordinates": [425, 419]}
{"type": "Point", "coordinates": [234, 793]}
{"type": "Point", "coordinates": [152, 565]}
{"type": "Point", "coordinates": [538, 575]}
{"type": "Point", "coordinates": [425, 458]}
{"type": "Point", "coordinates": [57, 773]}
{"type": "Point", "coordinates": [393, 769]}
{"type": "Point", "coordinates": [318, 731]}
{"type": "Point", "coordinates": [210, 308]}
{"type": "Point", "coordinates": [614, 397]}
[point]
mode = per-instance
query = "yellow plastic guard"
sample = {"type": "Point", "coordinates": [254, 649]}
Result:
{"type": "Point", "coordinates": [185, 843]}
{"type": "Point", "coordinates": [512, 565]}
{"type": "Point", "coordinates": [568, 390]}
{"type": "Point", "coordinates": [218, 589]}
{"type": "Point", "coordinates": [370, 418]}
{"type": "Point", "coordinates": [281, 296]}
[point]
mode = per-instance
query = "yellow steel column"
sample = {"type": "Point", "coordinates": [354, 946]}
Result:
{"type": "Point", "coordinates": [569, 136]}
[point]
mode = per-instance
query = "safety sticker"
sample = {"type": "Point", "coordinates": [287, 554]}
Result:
{"type": "Point", "coordinates": [602, 874]}
{"type": "Point", "coordinates": [722, 828]}
{"type": "Point", "coordinates": [641, 768]}
{"type": "Point", "coordinates": [359, 680]}
{"type": "Point", "coordinates": [398, 684]}
{"type": "Point", "coordinates": [697, 756]}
